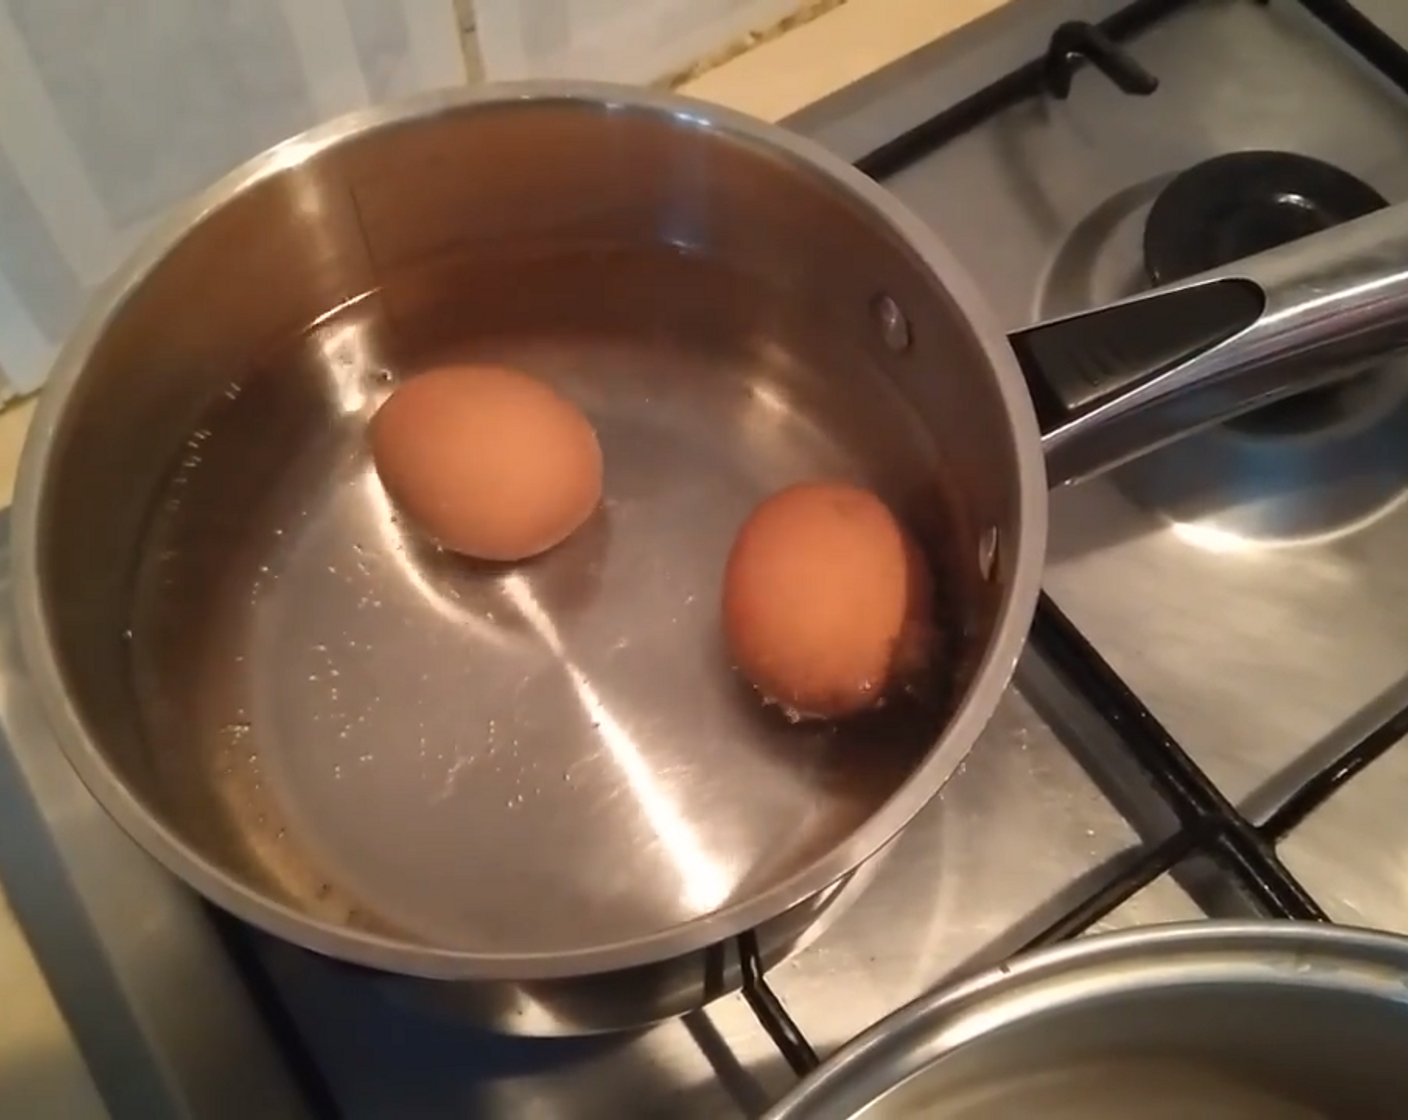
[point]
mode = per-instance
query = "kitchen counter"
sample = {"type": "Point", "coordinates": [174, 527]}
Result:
{"type": "Point", "coordinates": [41, 1073]}
{"type": "Point", "coordinates": [14, 423]}
{"type": "Point", "coordinates": [781, 76]}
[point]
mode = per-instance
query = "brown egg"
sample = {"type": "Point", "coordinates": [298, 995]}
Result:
{"type": "Point", "coordinates": [488, 462]}
{"type": "Point", "coordinates": [826, 602]}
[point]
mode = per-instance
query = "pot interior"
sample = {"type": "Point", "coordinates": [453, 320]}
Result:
{"type": "Point", "coordinates": [509, 763]}
{"type": "Point", "coordinates": [1234, 1052]}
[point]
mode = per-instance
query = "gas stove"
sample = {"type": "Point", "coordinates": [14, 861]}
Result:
{"type": "Point", "coordinates": [1221, 651]}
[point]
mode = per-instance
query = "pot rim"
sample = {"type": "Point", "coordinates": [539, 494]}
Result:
{"type": "Point", "coordinates": [1142, 960]}
{"type": "Point", "coordinates": [31, 507]}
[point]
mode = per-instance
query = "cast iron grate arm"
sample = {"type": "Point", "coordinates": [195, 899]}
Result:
{"type": "Point", "coordinates": [1077, 41]}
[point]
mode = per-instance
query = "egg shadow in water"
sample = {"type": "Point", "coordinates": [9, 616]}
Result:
{"type": "Point", "coordinates": [563, 581]}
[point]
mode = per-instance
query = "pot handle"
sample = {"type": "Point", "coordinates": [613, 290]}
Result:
{"type": "Point", "coordinates": [1113, 383]}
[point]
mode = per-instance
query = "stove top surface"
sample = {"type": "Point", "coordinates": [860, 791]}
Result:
{"type": "Point", "coordinates": [1256, 608]}
{"type": "Point", "coordinates": [1247, 583]}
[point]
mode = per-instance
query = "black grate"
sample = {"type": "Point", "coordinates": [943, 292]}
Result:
{"type": "Point", "coordinates": [1208, 824]}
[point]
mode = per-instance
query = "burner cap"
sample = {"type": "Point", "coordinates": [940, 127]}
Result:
{"type": "Point", "coordinates": [1243, 203]}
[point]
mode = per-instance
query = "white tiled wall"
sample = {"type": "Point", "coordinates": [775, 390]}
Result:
{"type": "Point", "coordinates": [638, 41]}
{"type": "Point", "coordinates": [109, 114]}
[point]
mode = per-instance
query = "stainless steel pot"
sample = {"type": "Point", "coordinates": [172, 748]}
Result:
{"type": "Point", "coordinates": [1258, 1021]}
{"type": "Point", "coordinates": [547, 784]}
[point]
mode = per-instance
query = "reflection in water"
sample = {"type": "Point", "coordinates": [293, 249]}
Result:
{"type": "Point", "coordinates": [704, 881]}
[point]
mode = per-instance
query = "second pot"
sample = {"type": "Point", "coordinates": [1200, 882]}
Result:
{"type": "Point", "coordinates": [1254, 1020]}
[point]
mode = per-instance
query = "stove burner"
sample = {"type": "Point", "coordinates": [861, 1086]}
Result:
{"type": "Point", "coordinates": [1320, 464]}
{"type": "Point", "coordinates": [1242, 203]}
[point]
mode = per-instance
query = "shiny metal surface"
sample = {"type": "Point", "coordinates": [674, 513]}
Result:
{"type": "Point", "coordinates": [954, 895]}
{"type": "Point", "coordinates": [161, 1016]}
{"type": "Point", "coordinates": [268, 681]}
{"type": "Point", "coordinates": [1022, 829]}
{"type": "Point", "coordinates": [1168, 1022]}
{"type": "Point", "coordinates": [1333, 304]}
{"type": "Point", "coordinates": [1258, 654]}
{"type": "Point", "coordinates": [547, 779]}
